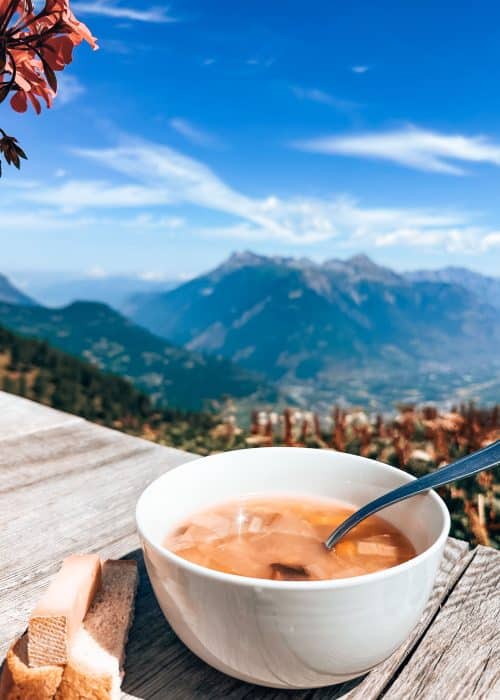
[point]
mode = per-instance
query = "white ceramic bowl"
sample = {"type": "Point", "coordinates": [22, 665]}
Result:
{"type": "Point", "coordinates": [288, 634]}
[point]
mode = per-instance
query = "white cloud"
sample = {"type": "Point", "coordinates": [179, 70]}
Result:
{"type": "Point", "coordinates": [360, 69]}
{"type": "Point", "coordinates": [191, 132]}
{"type": "Point", "coordinates": [48, 219]}
{"type": "Point", "coordinates": [115, 10]}
{"type": "Point", "coordinates": [78, 195]}
{"type": "Point", "coordinates": [491, 240]}
{"type": "Point", "coordinates": [296, 220]}
{"type": "Point", "coordinates": [315, 95]}
{"type": "Point", "coordinates": [262, 62]}
{"type": "Point", "coordinates": [69, 88]}
{"type": "Point", "coordinates": [152, 276]}
{"type": "Point", "coordinates": [208, 61]}
{"type": "Point", "coordinates": [156, 176]}
{"type": "Point", "coordinates": [453, 240]}
{"type": "Point", "coordinates": [97, 273]}
{"type": "Point", "coordinates": [42, 220]}
{"type": "Point", "coordinates": [412, 147]}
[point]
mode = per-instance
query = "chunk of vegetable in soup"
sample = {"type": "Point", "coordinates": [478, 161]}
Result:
{"type": "Point", "coordinates": [282, 539]}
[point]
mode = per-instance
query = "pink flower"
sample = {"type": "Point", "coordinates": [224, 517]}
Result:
{"type": "Point", "coordinates": [33, 47]}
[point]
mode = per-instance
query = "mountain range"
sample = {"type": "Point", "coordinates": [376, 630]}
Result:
{"type": "Point", "coordinates": [173, 376]}
{"type": "Point", "coordinates": [12, 295]}
{"type": "Point", "coordinates": [483, 286]}
{"type": "Point", "coordinates": [340, 331]}
{"type": "Point", "coordinates": [343, 329]}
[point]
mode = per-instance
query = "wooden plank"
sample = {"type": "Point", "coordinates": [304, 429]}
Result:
{"type": "Point", "coordinates": [19, 416]}
{"type": "Point", "coordinates": [57, 451]}
{"type": "Point", "coordinates": [160, 666]}
{"type": "Point", "coordinates": [460, 655]}
{"type": "Point", "coordinates": [86, 503]}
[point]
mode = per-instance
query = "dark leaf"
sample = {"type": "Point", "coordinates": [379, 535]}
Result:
{"type": "Point", "coordinates": [11, 150]}
{"type": "Point", "coordinates": [50, 75]}
{"type": "Point", "coordinates": [3, 56]}
{"type": "Point", "coordinates": [4, 91]}
{"type": "Point", "coordinates": [20, 152]}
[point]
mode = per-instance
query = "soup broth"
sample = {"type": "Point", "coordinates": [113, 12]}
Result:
{"type": "Point", "coordinates": [282, 539]}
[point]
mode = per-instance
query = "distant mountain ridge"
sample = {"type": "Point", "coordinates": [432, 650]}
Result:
{"type": "Point", "coordinates": [11, 295]}
{"type": "Point", "coordinates": [483, 286]}
{"type": "Point", "coordinates": [318, 324]}
{"type": "Point", "coordinates": [172, 375]}
{"type": "Point", "coordinates": [339, 309]}
{"type": "Point", "coordinates": [112, 290]}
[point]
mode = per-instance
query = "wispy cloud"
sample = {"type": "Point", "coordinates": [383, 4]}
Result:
{"type": "Point", "coordinates": [159, 176]}
{"type": "Point", "coordinates": [192, 133]}
{"type": "Point", "coordinates": [50, 220]}
{"type": "Point", "coordinates": [208, 61]}
{"type": "Point", "coordinates": [83, 195]}
{"type": "Point", "coordinates": [96, 272]}
{"type": "Point", "coordinates": [360, 69]}
{"type": "Point", "coordinates": [154, 176]}
{"type": "Point", "coordinates": [322, 97]}
{"type": "Point", "coordinates": [116, 46]}
{"type": "Point", "coordinates": [261, 62]}
{"type": "Point", "coordinates": [491, 240]}
{"type": "Point", "coordinates": [116, 10]}
{"type": "Point", "coordinates": [69, 89]}
{"type": "Point", "coordinates": [412, 147]}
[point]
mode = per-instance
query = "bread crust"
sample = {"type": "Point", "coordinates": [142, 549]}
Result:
{"type": "Point", "coordinates": [86, 676]}
{"type": "Point", "coordinates": [77, 684]}
{"type": "Point", "coordinates": [20, 682]}
{"type": "Point", "coordinates": [103, 636]}
{"type": "Point", "coordinates": [62, 608]}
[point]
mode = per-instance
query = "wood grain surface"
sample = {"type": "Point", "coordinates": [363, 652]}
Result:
{"type": "Point", "coordinates": [459, 657]}
{"type": "Point", "coordinates": [67, 486]}
{"type": "Point", "coordinates": [19, 416]}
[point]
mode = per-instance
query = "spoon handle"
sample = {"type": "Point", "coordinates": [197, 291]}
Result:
{"type": "Point", "coordinates": [466, 466]}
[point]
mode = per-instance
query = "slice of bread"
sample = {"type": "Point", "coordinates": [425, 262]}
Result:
{"type": "Point", "coordinates": [20, 682]}
{"type": "Point", "coordinates": [95, 665]}
{"type": "Point", "coordinates": [61, 609]}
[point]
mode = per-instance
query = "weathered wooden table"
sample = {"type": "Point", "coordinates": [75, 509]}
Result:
{"type": "Point", "coordinates": [67, 485]}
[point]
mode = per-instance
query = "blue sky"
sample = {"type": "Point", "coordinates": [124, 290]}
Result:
{"type": "Point", "coordinates": [320, 129]}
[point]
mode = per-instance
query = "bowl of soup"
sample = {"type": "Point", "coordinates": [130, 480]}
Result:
{"type": "Point", "coordinates": [233, 545]}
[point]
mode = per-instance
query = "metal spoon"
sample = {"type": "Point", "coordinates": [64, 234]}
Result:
{"type": "Point", "coordinates": [467, 466]}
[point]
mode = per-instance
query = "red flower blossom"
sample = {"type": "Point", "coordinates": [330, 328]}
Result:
{"type": "Point", "coordinates": [33, 47]}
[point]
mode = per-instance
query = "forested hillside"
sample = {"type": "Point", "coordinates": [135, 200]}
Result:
{"type": "Point", "coordinates": [171, 375]}
{"type": "Point", "coordinates": [35, 370]}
